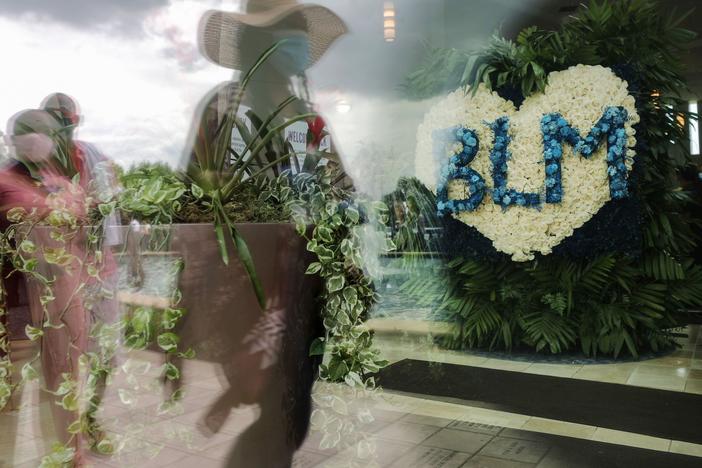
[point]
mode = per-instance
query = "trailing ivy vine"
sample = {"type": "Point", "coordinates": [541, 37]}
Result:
{"type": "Point", "coordinates": [219, 186]}
{"type": "Point", "coordinates": [64, 257]}
{"type": "Point", "coordinates": [336, 225]}
{"type": "Point", "coordinates": [337, 222]}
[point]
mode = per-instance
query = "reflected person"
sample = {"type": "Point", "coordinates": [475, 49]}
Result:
{"type": "Point", "coordinates": [98, 177]}
{"type": "Point", "coordinates": [264, 356]}
{"type": "Point", "coordinates": [33, 180]}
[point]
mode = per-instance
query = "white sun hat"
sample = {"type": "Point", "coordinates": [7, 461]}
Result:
{"type": "Point", "coordinates": [219, 31]}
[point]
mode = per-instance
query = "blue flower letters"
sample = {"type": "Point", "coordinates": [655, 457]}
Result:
{"type": "Point", "coordinates": [555, 130]}
{"type": "Point", "coordinates": [457, 168]}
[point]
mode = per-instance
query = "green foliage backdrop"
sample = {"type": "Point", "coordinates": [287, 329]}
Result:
{"type": "Point", "coordinates": [613, 303]}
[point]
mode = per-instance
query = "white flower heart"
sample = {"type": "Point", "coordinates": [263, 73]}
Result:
{"type": "Point", "coordinates": [580, 94]}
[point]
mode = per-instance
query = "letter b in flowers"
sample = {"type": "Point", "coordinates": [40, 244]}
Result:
{"type": "Point", "coordinates": [457, 169]}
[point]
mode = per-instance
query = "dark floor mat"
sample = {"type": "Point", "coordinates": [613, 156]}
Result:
{"type": "Point", "coordinates": [658, 413]}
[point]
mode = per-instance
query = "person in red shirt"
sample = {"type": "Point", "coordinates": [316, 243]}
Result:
{"type": "Point", "coordinates": [38, 177]}
{"type": "Point", "coordinates": [97, 176]}
{"type": "Point", "coordinates": [27, 181]}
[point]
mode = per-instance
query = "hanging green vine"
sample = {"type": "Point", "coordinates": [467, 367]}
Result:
{"type": "Point", "coordinates": [5, 363]}
{"type": "Point", "coordinates": [64, 257]}
{"type": "Point", "coordinates": [337, 223]}
{"type": "Point", "coordinates": [338, 227]}
{"type": "Point", "coordinates": [218, 183]}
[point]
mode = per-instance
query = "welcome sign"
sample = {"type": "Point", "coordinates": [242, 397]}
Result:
{"type": "Point", "coordinates": [295, 133]}
{"type": "Point", "coordinates": [527, 178]}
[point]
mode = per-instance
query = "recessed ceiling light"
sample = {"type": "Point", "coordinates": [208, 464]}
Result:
{"type": "Point", "coordinates": [343, 106]}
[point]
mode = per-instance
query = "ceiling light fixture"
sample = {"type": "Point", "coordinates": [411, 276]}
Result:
{"type": "Point", "coordinates": [343, 106]}
{"type": "Point", "coordinates": [389, 31]}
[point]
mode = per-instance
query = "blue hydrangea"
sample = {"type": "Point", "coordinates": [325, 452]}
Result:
{"type": "Point", "coordinates": [555, 131]}
{"type": "Point", "coordinates": [610, 125]}
{"type": "Point", "coordinates": [457, 169]}
{"type": "Point", "coordinates": [499, 156]}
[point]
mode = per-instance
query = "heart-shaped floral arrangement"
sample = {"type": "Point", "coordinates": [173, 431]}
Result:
{"type": "Point", "coordinates": [527, 178]}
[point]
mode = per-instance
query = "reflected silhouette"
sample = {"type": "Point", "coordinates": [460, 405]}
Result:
{"type": "Point", "coordinates": [35, 153]}
{"type": "Point", "coordinates": [97, 177]}
{"type": "Point", "coordinates": [50, 172]}
{"type": "Point", "coordinates": [263, 354]}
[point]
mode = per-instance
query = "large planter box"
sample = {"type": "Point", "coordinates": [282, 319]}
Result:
{"type": "Point", "coordinates": [224, 324]}
{"type": "Point", "coordinates": [221, 306]}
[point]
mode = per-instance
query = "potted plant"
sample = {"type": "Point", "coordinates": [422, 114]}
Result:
{"type": "Point", "coordinates": [271, 257]}
{"type": "Point", "coordinates": [263, 300]}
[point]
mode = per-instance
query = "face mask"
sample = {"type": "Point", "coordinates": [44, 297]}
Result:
{"type": "Point", "coordinates": [292, 56]}
{"type": "Point", "coordinates": [33, 146]}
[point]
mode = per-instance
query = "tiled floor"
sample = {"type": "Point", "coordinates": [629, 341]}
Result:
{"type": "Point", "coordinates": [470, 437]}
{"type": "Point", "coordinates": [407, 430]}
{"type": "Point", "coordinates": [679, 371]}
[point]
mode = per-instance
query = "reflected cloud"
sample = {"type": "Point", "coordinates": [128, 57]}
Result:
{"type": "Point", "coordinates": [124, 15]}
{"type": "Point", "coordinates": [138, 92]}
{"type": "Point", "coordinates": [140, 87]}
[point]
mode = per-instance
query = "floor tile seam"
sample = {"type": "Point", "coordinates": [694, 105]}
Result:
{"type": "Point", "coordinates": [491, 438]}
{"type": "Point", "coordinates": [183, 453]}
{"type": "Point", "coordinates": [344, 454]}
{"type": "Point", "coordinates": [404, 441]}
{"type": "Point", "coordinates": [513, 460]}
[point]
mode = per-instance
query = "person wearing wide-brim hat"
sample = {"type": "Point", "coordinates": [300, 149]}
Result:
{"type": "Point", "coordinates": [237, 40]}
{"type": "Point", "coordinates": [221, 33]}
{"type": "Point", "coordinates": [283, 390]}
{"type": "Point", "coordinates": [304, 32]}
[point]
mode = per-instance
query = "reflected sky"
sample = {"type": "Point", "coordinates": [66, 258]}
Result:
{"type": "Point", "coordinates": [135, 68]}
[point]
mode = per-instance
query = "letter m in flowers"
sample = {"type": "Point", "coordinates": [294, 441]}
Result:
{"type": "Point", "coordinates": [556, 130]}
